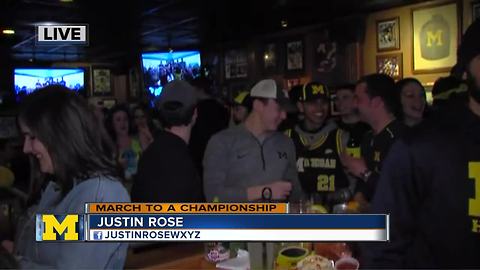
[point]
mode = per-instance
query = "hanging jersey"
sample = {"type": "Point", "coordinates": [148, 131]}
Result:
{"type": "Point", "coordinates": [318, 163]}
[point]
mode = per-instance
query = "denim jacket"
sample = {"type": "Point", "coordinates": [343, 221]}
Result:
{"type": "Point", "coordinates": [67, 255]}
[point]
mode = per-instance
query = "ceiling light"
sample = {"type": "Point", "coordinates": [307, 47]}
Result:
{"type": "Point", "coordinates": [284, 23]}
{"type": "Point", "coordinates": [266, 56]}
{"type": "Point", "coordinates": [8, 31]}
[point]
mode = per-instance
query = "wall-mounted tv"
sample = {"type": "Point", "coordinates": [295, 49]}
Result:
{"type": "Point", "coordinates": [27, 80]}
{"type": "Point", "coordinates": [159, 68]}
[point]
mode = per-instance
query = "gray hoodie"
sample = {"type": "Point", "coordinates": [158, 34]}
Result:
{"type": "Point", "coordinates": [68, 255]}
{"type": "Point", "coordinates": [236, 160]}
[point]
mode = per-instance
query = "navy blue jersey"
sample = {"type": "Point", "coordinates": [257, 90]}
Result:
{"type": "Point", "coordinates": [318, 163]}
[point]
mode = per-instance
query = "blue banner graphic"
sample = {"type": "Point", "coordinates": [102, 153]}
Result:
{"type": "Point", "coordinates": [194, 221]}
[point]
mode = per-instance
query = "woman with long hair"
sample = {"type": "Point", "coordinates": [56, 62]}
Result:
{"type": "Point", "coordinates": [143, 125]}
{"type": "Point", "coordinates": [413, 99]}
{"type": "Point", "coordinates": [75, 157]}
{"type": "Point", "coordinates": [128, 147]}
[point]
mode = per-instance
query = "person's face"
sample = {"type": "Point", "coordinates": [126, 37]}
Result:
{"type": "Point", "coordinates": [315, 112]}
{"type": "Point", "coordinates": [413, 101]}
{"type": "Point", "coordinates": [140, 118]}
{"type": "Point", "coordinates": [272, 114]}
{"type": "Point", "coordinates": [33, 146]}
{"type": "Point", "coordinates": [345, 101]}
{"type": "Point", "coordinates": [363, 102]}
{"type": "Point", "coordinates": [240, 113]}
{"type": "Point", "coordinates": [474, 69]}
{"type": "Point", "coordinates": [120, 123]}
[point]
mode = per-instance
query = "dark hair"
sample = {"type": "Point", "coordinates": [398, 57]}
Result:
{"type": "Point", "coordinates": [109, 120]}
{"type": "Point", "coordinates": [383, 86]}
{"type": "Point", "coordinates": [75, 140]}
{"type": "Point", "coordinates": [173, 114]}
{"type": "Point", "coordinates": [148, 116]}
{"type": "Point", "coordinates": [203, 84]}
{"type": "Point", "coordinates": [443, 91]}
{"type": "Point", "coordinates": [399, 89]}
{"type": "Point", "coordinates": [469, 48]}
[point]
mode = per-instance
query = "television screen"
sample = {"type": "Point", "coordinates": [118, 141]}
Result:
{"type": "Point", "coordinates": [28, 80]}
{"type": "Point", "coordinates": [159, 68]}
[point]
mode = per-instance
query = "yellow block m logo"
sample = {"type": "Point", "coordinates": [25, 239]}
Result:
{"type": "Point", "coordinates": [436, 38]}
{"type": "Point", "coordinates": [318, 89]}
{"type": "Point", "coordinates": [68, 225]}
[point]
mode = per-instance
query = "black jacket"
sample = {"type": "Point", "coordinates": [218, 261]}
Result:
{"type": "Point", "coordinates": [430, 186]}
{"type": "Point", "coordinates": [166, 173]}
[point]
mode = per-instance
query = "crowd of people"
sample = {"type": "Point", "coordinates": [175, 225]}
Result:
{"type": "Point", "coordinates": [159, 76]}
{"type": "Point", "coordinates": [388, 151]}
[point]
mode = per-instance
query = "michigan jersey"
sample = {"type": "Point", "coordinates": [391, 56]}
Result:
{"type": "Point", "coordinates": [318, 162]}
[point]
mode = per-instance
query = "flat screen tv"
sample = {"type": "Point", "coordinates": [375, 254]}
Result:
{"type": "Point", "coordinates": [27, 80]}
{"type": "Point", "coordinates": [159, 68]}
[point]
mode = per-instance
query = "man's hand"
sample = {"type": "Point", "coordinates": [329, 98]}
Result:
{"type": "Point", "coordinates": [363, 204]}
{"type": "Point", "coordinates": [355, 166]}
{"type": "Point", "coordinates": [280, 191]}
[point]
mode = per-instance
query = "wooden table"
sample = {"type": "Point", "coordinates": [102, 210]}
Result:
{"type": "Point", "coordinates": [171, 256]}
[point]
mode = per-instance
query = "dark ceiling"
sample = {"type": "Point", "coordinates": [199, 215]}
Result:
{"type": "Point", "coordinates": [122, 28]}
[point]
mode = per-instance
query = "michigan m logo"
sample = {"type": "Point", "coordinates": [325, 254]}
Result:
{"type": "Point", "coordinates": [318, 89]}
{"type": "Point", "coordinates": [435, 38]}
{"type": "Point", "coordinates": [67, 227]}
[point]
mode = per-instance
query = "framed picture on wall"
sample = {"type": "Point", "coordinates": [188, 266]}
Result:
{"type": "Point", "coordinates": [294, 55]}
{"type": "Point", "coordinates": [388, 34]}
{"type": "Point", "coordinates": [391, 65]}
{"type": "Point", "coordinates": [101, 82]}
{"type": "Point", "coordinates": [435, 37]}
{"type": "Point", "coordinates": [236, 64]}
{"type": "Point", "coordinates": [326, 56]}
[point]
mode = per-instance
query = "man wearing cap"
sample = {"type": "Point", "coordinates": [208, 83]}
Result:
{"type": "Point", "coordinates": [252, 161]}
{"type": "Point", "coordinates": [240, 107]}
{"type": "Point", "coordinates": [318, 145]}
{"type": "Point", "coordinates": [166, 172]}
{"type": "Point", "coordinates": [430, 185]}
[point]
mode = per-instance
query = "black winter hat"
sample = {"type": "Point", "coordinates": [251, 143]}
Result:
{"type": "Point", "coordinates": [470, 46]}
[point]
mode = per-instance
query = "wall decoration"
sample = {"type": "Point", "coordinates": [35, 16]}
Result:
{"type": "Point", "coordinates": [236, 64]}
{"type": "Point", "coordinates": [295, 55]}
{"type": "Point", "coordinates": [388, 34]}
{"type": "Point", "coordinates": [326, 56]}
{"type": "Point", "coordinates": [435, 38]}
{"type": "Point", "coordinates": [101, 82]}
{"type": "Point", "coordinates": [390, 64]}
